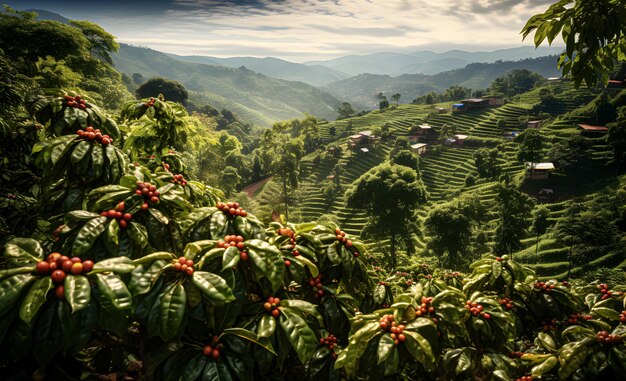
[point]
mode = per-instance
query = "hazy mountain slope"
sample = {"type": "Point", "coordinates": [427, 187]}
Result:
{"type": "Point", "coordinates": [362, 89]}
{"type": "Point", "coordinates": [427, 62]}
{"type": "Point", "coordinates": [315, 75]}
{"type": "Point", "coordinates": [273, 98]}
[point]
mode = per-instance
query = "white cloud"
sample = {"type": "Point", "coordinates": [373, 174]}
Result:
{"type": "Point", "coordinates": [305, 29]}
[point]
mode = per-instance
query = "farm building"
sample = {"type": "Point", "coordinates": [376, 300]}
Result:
{"type": "Point", "coordinates": [533, 124]}
{"type": "Point", "coordinates": [538, 171]}
{"type": "Point", "coordinates": [362, 138]}
{"type": "Point", "coordinates": [494, 100]}
{"type": "Point", "coordinates": [419, 148]}
{"type": "Point", "coordinates": [364, 151]}
{"type": "Point", "coordinates": [586, 129]}
{"type": "Point", "coordinates": [614, 83]}
{"type": "Point", "coordinates": [457, 140]}
{"type": "Point", "coordinates": [440, 110]}
{"type": "Point", "coordinates": [474, 103]}
{"type": "Point", "coordinates": [510, 136]}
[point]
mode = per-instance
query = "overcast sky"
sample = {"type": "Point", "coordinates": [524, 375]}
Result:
{"type": "Point", "coordinates": [302, 30]}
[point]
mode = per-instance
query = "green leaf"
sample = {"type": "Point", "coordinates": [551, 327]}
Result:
{"type": "Point", "coordinates": [159, 216]}
{"type": "Point", "coordinates": [24, 248]}
{"type": "Point", "coordinates": [248, 335]}
{"type": "Point", "coordinates": [120, 265]}
{"type": "Point", "coordinates": [194, 368]}
{"type": "Point", "coordinates": [87, 236]}
{"type": "Point", "coordinates": [230, 257]}
{"type": "Point", "coordinates": [35, 298]}
{"type": "Point", "coordinates": [171, 311]}
{"type": "Point", "coordinates": [214, 287]}
{"type": "Point", "coordinates": [17, 270]}
{"type": "Point", "coordinates": [270, 263]}
{"type": "Point", "coordinates": [299, 334]}
{"type": "Point", "coordinates": [428, 357]}
{"type": "Point", "coordinates": [12, 289]}
{"type": "Point", "coordinates": [267, 326]}
{"type": "Point", "coordinates": [543, 368]}
{"type": "Point", "coordinates": [112, 288]}
{"type": "Point", "coordinates": [607, 313]}
{"type": "Point", "coordinates": [80, 151]}
{"type": "Point", "coordinates": [303, 306]}
{"type": "Point", "coordinates": [386, 346]}
{"type": "Point", "coordinates": [77, 291]}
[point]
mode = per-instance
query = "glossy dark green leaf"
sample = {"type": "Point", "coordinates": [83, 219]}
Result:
{"type": "Point", "coordinates": [270, 263]}
{"type": "Point", "coordinates": [194, 367]}
{"type": "Point", "coordinates": [214, 287]}
{"type": "Point", "coordinates": [172, 307]}
{"type": "Point", "coordinates": [77, 291]}
{"type": "Point", "coordinates": [112, 288]}
{"type": "Point", "coordinates": [299, 334]}
{"type": "Point", "coordinates": [230, 258]}
{"type": "Point", "coordinates": [386, 346]}
{"type": "Point", "coordinates": [249, 336]}
{"type": "Point", "coordinates": [35, 298]}
{"type": "Point", "coordinates": [24, 248]}
{"type": "Point", "coordinates": [12, 288]}
{"type": "Point", "coordinates": [267, 326]}
{"type": "Point", "coordinates": [120, 265]}
{"type": "Point", "coordinates": [87, 235]}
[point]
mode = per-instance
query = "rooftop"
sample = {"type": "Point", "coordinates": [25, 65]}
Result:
{"type": "Point", "coordinates": [425, 126]}
{"type": "Point", "coordinates": [588, 127]}
{"type": "Point", "coordinates": [461, 137]}
{"type": "Point", "coordinates": [474, 100]}
{"type": "Point", "coordinates": [418, 145]}
{"type": "Point", "coordinates": [540, 166]}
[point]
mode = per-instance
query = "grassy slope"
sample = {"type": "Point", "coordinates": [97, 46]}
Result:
{"type": "Point", "coordinates": [443, 172]}
{"type": "Point", "coordinates": [255, 97]}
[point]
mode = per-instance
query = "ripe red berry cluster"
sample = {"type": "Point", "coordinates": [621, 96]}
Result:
{"type": "Point", "coordinates": [58, 266]}
{"type": "Point", "coordinates": [549, 325]}
{"type": "Point", "coordinates": [236, 241]}
{"type": "Point", "coordinates": [179, 179]}
{"type": "Point", "coordinates": [117, 214]}
{"type": "Point", "coordinates": [453, 274]}
{"type": "Point", "coordinates": [476, 309]}
{"type": "Point", "coordinates": [330, 341]}
{"type": "Point", "coordinates": [515, 355]}
{"type": "Point", "coordinates": [213, 349]}
{"type": "Point", "coordinates": [316, 286]}
{"type": "Point", "coordinates": [184, 265]}
{"type": "Point", "coordinates": [395, 330]}
{"type": "Point", "coordinates": [383, 283]}
{"type": "Point", "coordinates": [75, 102]}
{"type": "Point", "coordinates": [499, 259]}
{"type": "Point", "coordinates": [92, 134]}
{"type": "Point", "coordinates": [622, 317]}
{"type": "Point", "coordinates": [525, 378]}
{"type": "Point", "coordinates": [232, 208]}
{"type": "Point", "coordinates": [606, 338]}
{"type": "Point", "coordinates": [402, 273]}
{"type": "Point", "coordinates": [11, 196]}
{"type": "Point", "coordinates": [425, 307]}
{"type": "Point", "coordinates": [150, 102]}
{"type": "Point", "coordinates": [574, 318]}
{"type": "Point", "coordinates": [292, 241]}
{"type": "Point", "coordinates": [149, 192]}
{"type": "Point", "coordinates": [604, 289]}
{"type": "Point", "coordinates": [543, 286]}
{"type": "Point", "coordinates": [271, 306]}
{"type": "Point", "coordinates": [165, 165]}
{"type": "Point", "coordinates": [507, 303]}
{"type": "Point", "coordinates": [341, 237]}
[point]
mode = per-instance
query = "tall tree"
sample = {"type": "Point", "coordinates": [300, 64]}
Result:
{"type": "Point", "coordinates": [514, 208]}
{"type": "Point", "coordinates": [390, 194]}
{"type": "Point", "coordinates": [281, 155]}
{"type": "Point", "coordinates": [594, 33]}
{"type": "Point", "coordinates": [540, 224]}
{"type": "Point", "coordinates": [450, 228]}
{"type": "Point", "coordinates": [345, 111]}
{"type": "Point", "coordinates": [171, 90]}
{"type": "Point", "coordinates": [530, 144]}
{"type": "Point", "coordinates": [396, 98]}
{"type": "Point", "coordinates": [486, 162]}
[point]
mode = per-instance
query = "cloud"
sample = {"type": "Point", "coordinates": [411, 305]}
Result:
{"type": "Point", "coordinates": [305, 29]}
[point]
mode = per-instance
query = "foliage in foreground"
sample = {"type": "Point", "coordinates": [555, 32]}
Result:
{"type": "Point", "coordinates": [147, 274]}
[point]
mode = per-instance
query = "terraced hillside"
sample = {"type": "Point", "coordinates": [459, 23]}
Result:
{"type": "Point", "coordinates": [444, 169]}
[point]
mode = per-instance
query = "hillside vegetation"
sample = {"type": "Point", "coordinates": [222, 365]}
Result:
{"type": "Point", "coordinates": [255, 97]}
{"type": "Point", "coordinates": [444, 170]}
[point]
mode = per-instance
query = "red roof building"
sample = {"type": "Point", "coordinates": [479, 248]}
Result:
{"type": "Point", "coordinates": [590, 128]}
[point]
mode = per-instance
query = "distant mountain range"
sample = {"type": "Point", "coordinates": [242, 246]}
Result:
{"type": "Point", "coordinates": [316, 75]}
{"type": "Point", "coordinates": [361, 90]}
{"type": "Point", "coordinates": [255, 97]}
{"type": "Point", "coordinates": [427, 62]}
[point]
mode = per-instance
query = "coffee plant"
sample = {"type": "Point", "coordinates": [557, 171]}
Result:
{"type": "Point", "coordinates": [138, 271]}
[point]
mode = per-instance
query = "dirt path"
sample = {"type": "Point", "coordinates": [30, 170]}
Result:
{"type": "Point", "coordinates": [252, 188]}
